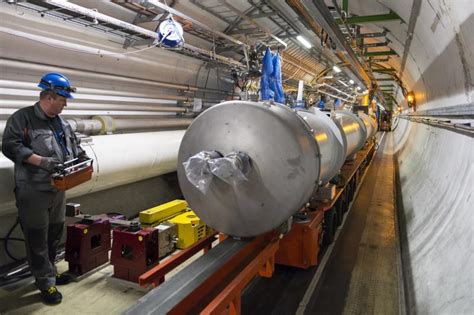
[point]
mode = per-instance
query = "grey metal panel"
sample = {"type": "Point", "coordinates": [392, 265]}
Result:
{"type": "Point", "coordinates": [285, 166]}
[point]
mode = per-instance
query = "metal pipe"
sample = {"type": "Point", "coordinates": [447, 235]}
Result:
{"type": "Point", "coordinates": [106, 124]}
{"type": "Point", "coordinates": [336, 89]}
{"type": "Point", "coordinates": [131, 27]}
{"type": "Point", "coordinates": [143, 124]}
{"type": "Point", "coordinates": [332, 95]}
{"type": "Point", "coordinates": [5, 62]}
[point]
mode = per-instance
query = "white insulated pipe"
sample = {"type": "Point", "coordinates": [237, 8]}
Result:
{"type": "Point", "coordinates": [118, 160]}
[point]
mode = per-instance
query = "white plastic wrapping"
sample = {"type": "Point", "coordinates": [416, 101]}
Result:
{"type": "Point", "coordinates": [231, 168]}
{"type": "Point", "coordinates": [197, 170]}
{"type": "Point", "coordinates": [203, 166]}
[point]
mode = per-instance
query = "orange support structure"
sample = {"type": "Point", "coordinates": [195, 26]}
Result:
{"type": "Point", "coordinates": [300, 247]}
{"type": "Point", "coordinates": [156, 275]}
{"type": "Point", "coordinates": [228, 301]}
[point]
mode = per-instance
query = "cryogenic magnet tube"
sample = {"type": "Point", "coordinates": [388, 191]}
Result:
{"type": "Point", "coordinates": [272, 159]}
{"type": "Point", "coordinates": [284, 166]}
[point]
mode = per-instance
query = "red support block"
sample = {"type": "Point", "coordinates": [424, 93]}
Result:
{"type": "Point", "coordinates": [134, 252]}
{"type": "Point", "coordinates": [87, 245]}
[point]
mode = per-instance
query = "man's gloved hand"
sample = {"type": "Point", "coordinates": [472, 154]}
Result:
{"type": "Point", "coordinates": [49, 164]}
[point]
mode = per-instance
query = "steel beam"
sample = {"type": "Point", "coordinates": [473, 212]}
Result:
{"type": "Point", "coordinates": [372, 35]}
{"type": "Point", "coordinates": [320, 12]}
{"type": "Point", "coordinates": [384, 70]}
{"type": "Point", "coordinates": [370, 18]}
{"type": "Point", "coordinates": [380, 53]}
{"type": "Point", "coordinates": [371, 59]}
{"type": "Point", "coordinates": [382, 44]}
{"type": "Point", "coordinates": [345, 5]}
{"type": "Point", "coordinates": [267, 31]}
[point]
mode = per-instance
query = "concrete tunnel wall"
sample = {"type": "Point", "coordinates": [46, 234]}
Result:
{"type": "Point", "coordinates": [436, 174]}
{"type": "Point", "coordinates": [435, 166]}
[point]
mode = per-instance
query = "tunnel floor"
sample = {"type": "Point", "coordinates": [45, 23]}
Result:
{"type": "Point", "coordinates": [362, 272]}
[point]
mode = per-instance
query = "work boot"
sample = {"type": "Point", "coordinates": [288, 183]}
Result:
{"type": "Point", "coordinates": [62, 279]}
{"type": "Point", "coordinates": [51, 296]}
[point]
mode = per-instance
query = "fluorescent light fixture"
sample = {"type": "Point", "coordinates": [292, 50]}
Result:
{"type": "Point", "coordinates": [352, 82]}
{"type": "Point", "coordinates": [303, 41]}
{"type": "Point", "coordinates": [336, 69]}
{"type": "Point", "coordinates": [358, 88]}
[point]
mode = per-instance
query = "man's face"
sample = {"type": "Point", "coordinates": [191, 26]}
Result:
{"type": "Point", "coordinates": [56, 104]}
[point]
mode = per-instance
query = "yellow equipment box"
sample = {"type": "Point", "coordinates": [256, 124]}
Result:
{"type": "Point", "coordinates": [163, 212]}
{"type": "Point", "coordinates": [190, 229]}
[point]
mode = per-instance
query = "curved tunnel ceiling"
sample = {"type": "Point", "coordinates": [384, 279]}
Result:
{"type": "Point", "coordinates": [434, 46]}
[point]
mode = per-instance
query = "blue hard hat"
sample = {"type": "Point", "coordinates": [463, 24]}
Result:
{"type": "Point", "coordinates": [57, 83]}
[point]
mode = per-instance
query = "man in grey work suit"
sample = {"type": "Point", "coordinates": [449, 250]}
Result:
{"type": "Point", "coordinates": [38, 141]}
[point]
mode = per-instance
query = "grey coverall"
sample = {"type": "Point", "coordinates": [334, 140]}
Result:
{"type": "Point", "coordinates": [41, 207]}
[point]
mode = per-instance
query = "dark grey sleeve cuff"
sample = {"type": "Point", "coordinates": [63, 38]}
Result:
{"type": "Point", "coordinates": [23, 154]}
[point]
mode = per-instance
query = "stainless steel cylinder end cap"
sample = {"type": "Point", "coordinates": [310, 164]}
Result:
{"type": "Point", "coordinates": [284, 163]}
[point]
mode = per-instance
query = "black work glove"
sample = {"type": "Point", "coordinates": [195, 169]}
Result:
{"type": "Point", "coordinates": [49, 164]}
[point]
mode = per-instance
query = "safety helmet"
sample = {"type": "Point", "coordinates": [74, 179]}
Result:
{"type": "Point", "coordinates": [58, 83]}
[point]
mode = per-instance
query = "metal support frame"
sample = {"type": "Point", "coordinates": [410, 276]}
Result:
{"type": "Point", "coordinates": [382, 44]}
{"type": "Point", "coordinates": [321, 14]}
{"type": "Point", "coordinates": [214, 281]}
{"type": "Point", "coordinates": [384, 70]}
{"type": "Point", "coordinates": [156, 275]}
{"type": "Point", "coordinates": [370, 18]}
{"type": "Point", "coordinates": [372, 35]}
{"type": "Point", "coordinates": [345, 6]}
{"type": "Point", "coordinates": [380, 53]}
{"type": "Point", "coordinates": [373, 59]}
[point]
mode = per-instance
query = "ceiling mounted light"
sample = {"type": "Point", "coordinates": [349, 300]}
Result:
{"type": "Point", "coordinates": [352, 82]}
{"type": "Point", "coordinates": [358, 88]}
{"type": "Point", "coordinates": [303, 41]}
{"type": "Point", "coordinates": [336, 69]}
{"type": "Point", "coordinates": [366, 92]}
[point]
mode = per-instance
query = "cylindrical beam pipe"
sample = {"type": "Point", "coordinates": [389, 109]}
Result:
{"type": "Point", "coordinates": [330, 141]}
{"type": "Point", "coordinates": [354, 130]}
{"type": "Point", "coordinates": [290, 154]}
{"type": "Point", "coordinates": [369, 123]}
{"type": "Point", "coordinates": [284, 166]}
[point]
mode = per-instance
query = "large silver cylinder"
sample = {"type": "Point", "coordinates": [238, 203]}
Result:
{"type": "Point", "coordinates": [330, 141]}
{"type": "Point", "coordinates": [369, 123]}
{"type": "Point", "coordinates": [354, 130]}
{"type": "Point", "coordinates": [285, 166]}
